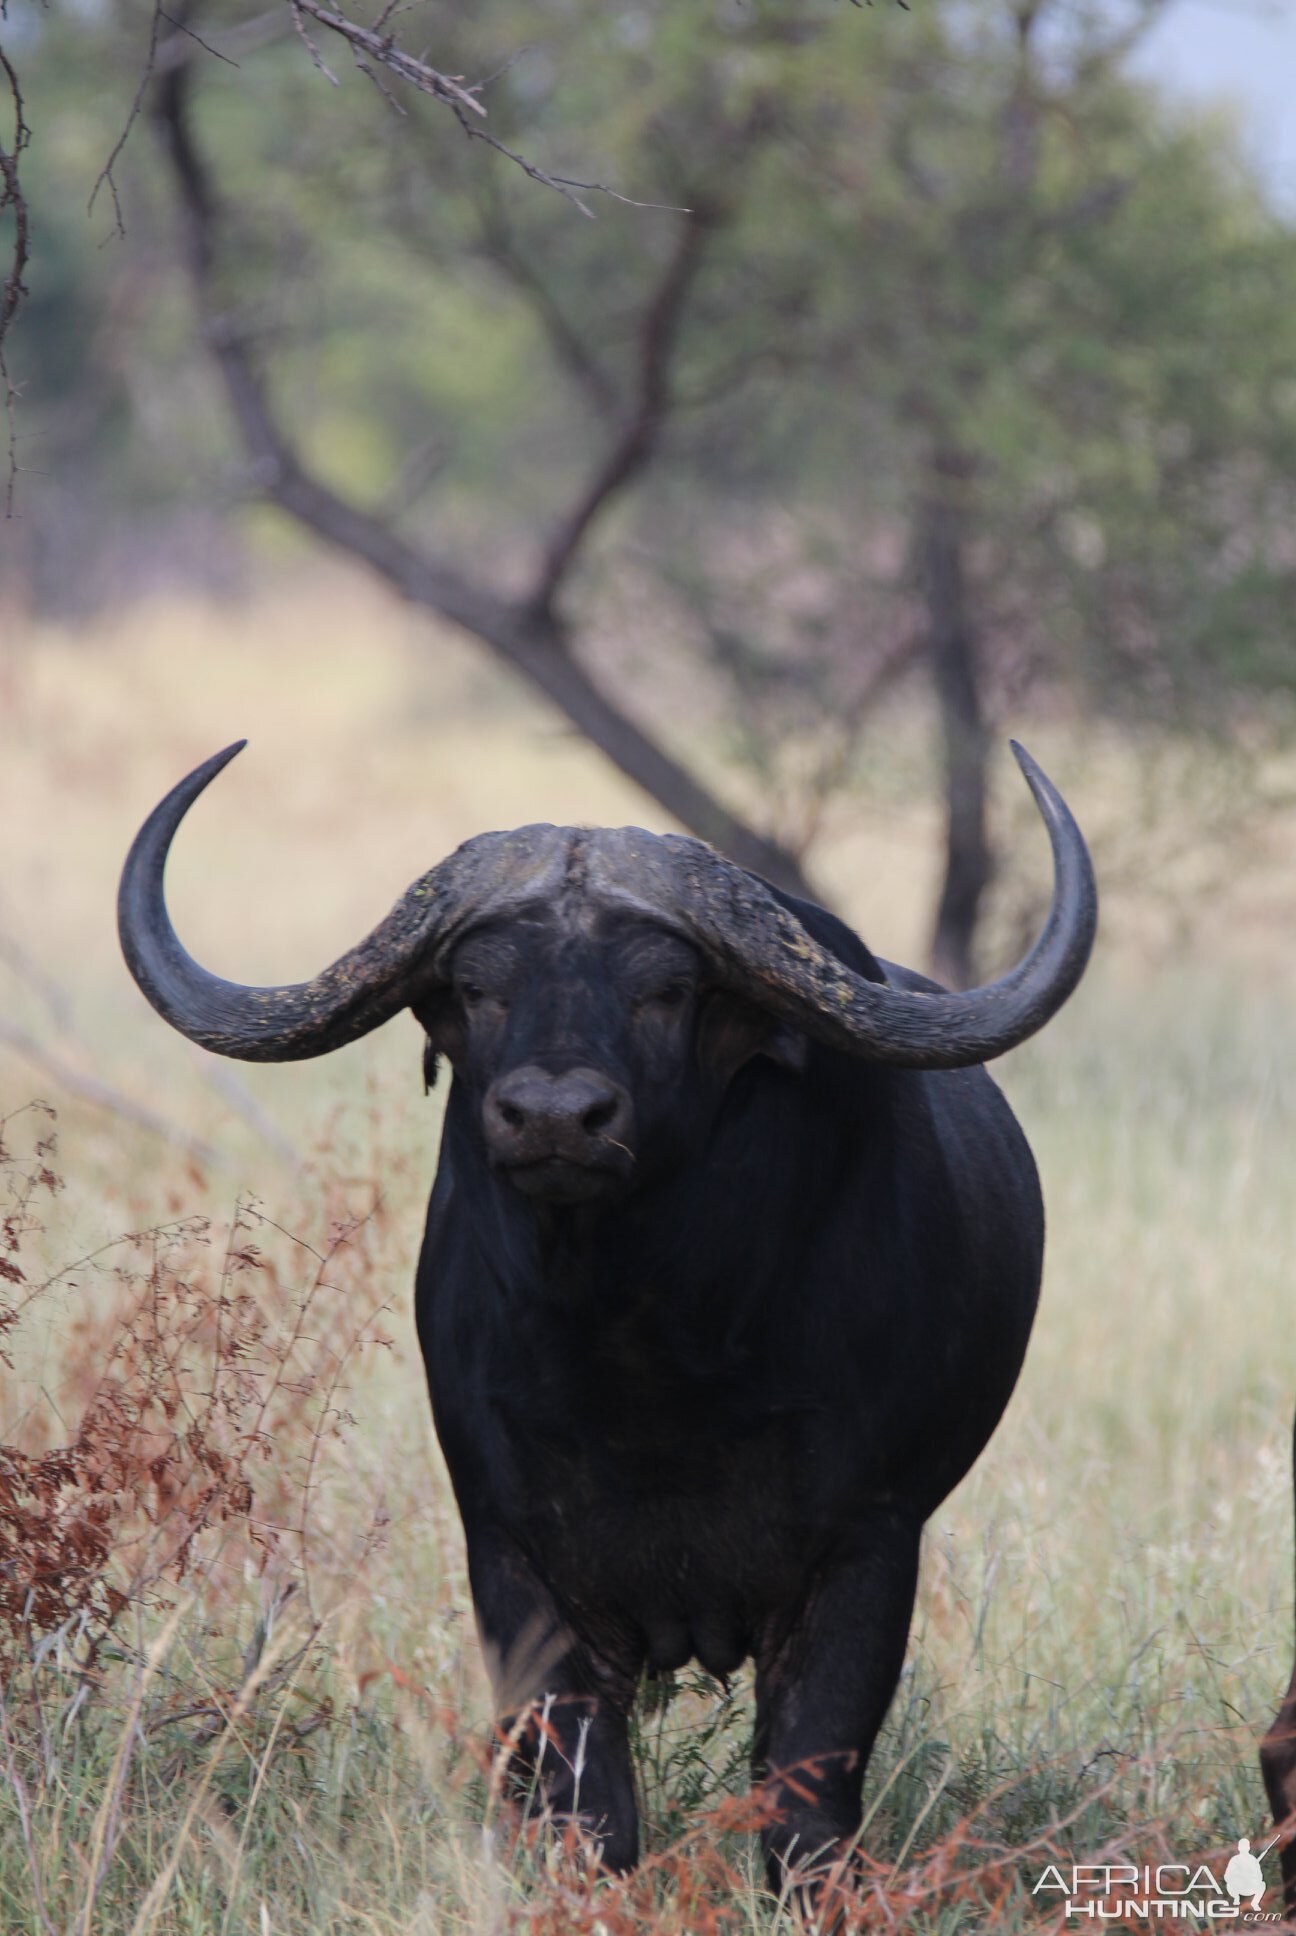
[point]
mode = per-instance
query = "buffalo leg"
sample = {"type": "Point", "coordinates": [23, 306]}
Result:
{"type": "Point", "coordinates": [822, 1691]}
{"type": "Point", "coordinates": [563, 1708]}
{"type": "Point", "coordinates": [1278, 1766]}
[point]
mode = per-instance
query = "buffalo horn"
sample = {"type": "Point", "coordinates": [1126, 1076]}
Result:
{"type": "Point", "coordinates": [362, 989]}
{"type": "Point", "coordinates": [759, 948]}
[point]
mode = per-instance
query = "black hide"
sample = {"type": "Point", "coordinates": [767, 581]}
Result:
{"type": "Point", "coordinates": [706, 1413]}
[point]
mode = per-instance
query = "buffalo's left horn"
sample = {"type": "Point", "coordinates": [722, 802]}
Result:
{"type": "Point", "coordinates": [763, 951]}
{"type": "Point", "coordinates": [370, 983]}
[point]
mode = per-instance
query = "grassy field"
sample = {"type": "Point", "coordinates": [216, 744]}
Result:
{"type": "Point", "coordinates": [288, 1737]}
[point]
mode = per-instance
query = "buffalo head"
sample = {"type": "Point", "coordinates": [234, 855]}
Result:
{"type": "Point", "coordinates": [596, 990]}
{"type": "Point", "coordinates": [593, 1038]}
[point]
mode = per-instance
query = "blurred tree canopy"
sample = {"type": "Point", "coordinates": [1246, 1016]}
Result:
{"type": "Point", "coordinates": [944, 350]}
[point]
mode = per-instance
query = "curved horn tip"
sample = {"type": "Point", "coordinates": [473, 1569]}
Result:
{"type": "Point", "coordinates": [187, 790]}
{"type": "Point", "coordinates": [219, 761]}
{"type": "Point", "coordinates": [1046, 794]}
{"type": "Point", "coordinates": [1031, 768]}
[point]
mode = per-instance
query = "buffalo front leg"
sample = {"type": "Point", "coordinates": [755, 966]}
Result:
{"type": "Point", "coordinates": [823, 1686]}
{"type": "Point", "coordinates": [562, 1707]}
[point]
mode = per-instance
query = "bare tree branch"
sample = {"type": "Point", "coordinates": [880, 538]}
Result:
{"type": "Point", "coordinates": [380, 47]}
{"type": "Point", "coordinates": [13, 202]}
{"type": "Point", "coordinates": [317, 59]}
{"type": "Point", "coordinates": [529, 637]}
{"type": "Point", "coordinates": [106, 176]}
{"type": "Point", "coordinates": [566, 185]}
{"type": "Point", "coordinates": [634, 445]}
{"type": "Point", "coordinates": [569, 348]}
{"type": "Point", "coordinates": [182, 26]}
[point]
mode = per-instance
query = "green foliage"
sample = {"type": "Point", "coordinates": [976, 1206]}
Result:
{"type": "Point", "coordinates": [933, 238]}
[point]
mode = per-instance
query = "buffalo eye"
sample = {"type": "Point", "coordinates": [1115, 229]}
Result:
{"type": "Point", "coordinates": [674, 995]}
{"type": "Point", "coordinates": [473, 996]}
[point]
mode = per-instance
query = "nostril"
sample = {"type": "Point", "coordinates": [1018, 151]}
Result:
{"type": "Point", "coordinates": [577, 1116]}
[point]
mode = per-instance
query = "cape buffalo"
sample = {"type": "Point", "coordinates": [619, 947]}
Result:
{"type": "Point", "coordinates": [730, 1265]}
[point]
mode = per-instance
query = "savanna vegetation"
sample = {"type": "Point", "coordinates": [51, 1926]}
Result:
{"type": "Point", "coordinates": [293, 1726]}
{"type": "Point", "coordinates": [976, 410]}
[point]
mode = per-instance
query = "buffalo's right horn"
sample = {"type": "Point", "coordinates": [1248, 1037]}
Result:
{"type": "Point", "coordinates": [390, 968]}
{"type": "Point", "coordinates": [770, 957]}
{"type": "Point", "coordinates": [757, 946]}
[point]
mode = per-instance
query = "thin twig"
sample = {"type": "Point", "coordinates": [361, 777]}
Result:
{"type": "Point", "coordinates": [317, 59]}
{"type": "Point", "coordinates": [570, 189]}
{"type": "Point", "coordinates": [459, 96]}
{"type": "Point", "coordinates": [636, 440]}
{"type": "Point", "coordinates": [183, 27]}
{"type": "Point", "coordinates": [497, 73]}
{"type": "Point", "coordinates": [383, 49]}
{"type": "Point", "coordinates": [381, 86]}
{"type": "Point", "coordinates": [106, 174]}
{"type": "Point", "coordinates": [13, 288]}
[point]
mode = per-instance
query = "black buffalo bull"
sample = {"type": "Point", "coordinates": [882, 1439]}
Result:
{"type": "Point", "coordinates": [730, 1265]}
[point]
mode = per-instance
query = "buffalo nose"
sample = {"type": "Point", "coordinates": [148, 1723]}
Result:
{"type": "Point", "coordinates": [580, 1116]}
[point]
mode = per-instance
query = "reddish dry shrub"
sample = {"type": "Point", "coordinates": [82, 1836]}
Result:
{"type": "Point", "coordinates": [694, 1887]}
{"type": "Point", "coordinates": [25, 1182]}
{"type": "Point", "coordinates": [207, 1374]}
{"type": "Point", "coordinates": [204, 1372]}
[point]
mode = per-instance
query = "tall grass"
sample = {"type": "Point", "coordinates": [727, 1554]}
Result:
{"type": "Point", "coordinates": [263, 1708]}
{"type": "Point", "coordinates": [242, 1690]}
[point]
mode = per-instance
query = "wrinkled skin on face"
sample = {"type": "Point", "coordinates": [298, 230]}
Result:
{"type": "Point", "coordinates": [593, 1048]}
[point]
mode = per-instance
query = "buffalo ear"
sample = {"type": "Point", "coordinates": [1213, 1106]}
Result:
{"type": "Point", "coordinates": [786, 1047]}
{"type": "Point", "coordinates": [732, 1031]}
{"type": "Point", "coordinates": [442, 1024]}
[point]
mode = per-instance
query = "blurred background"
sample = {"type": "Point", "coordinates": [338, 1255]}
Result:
{"type": "Point", "coordinates": [935, 378]}
{"type": "Point", "coordinates": [928, 378]}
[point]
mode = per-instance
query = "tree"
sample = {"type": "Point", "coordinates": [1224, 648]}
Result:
{"type": "Point", "coordinates": [1060, 322]}
{"type": "Point", "coordinates": [529, 631]}
{"type": "Point", "coordinates": [913, 362]}
{"type": "Point", "coordinates": [1071, 278]}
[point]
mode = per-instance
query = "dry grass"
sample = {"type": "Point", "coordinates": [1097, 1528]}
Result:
{"type": "Point", "coordinates": [1104, 1619]}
